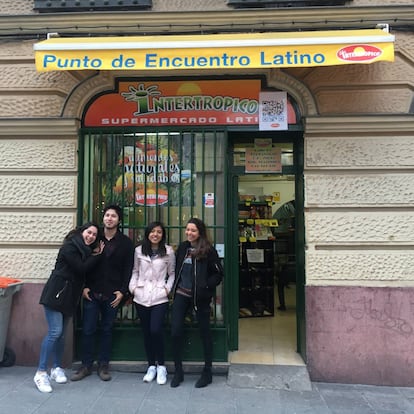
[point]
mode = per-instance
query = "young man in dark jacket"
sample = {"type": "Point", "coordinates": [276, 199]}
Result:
{"type": "Point", "coordinates": [104, 290]}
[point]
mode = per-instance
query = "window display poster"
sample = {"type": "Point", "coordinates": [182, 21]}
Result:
{"type": "Point", "coordinates": [150, 171]}
{"type": "Point", "coordinates": [273, 113]}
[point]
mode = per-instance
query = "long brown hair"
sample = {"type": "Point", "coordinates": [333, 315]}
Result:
{"type": "Point", "coordinates": [203, 243]}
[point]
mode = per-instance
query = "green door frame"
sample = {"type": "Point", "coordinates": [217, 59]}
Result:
{"type": "Point", "coordinates": [232, 291]}
{"type": "Point", "coordinates": [294, 136]}
{"type": "Point", "coordinates": [226, 337]}
{"type": "Point", "coordinates": [298, 156]}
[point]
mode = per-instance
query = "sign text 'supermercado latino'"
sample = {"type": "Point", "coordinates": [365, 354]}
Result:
{"type": "Point", "coordinates": [225, 51]}
{"type": "Point", "coordinates": [183, 102]}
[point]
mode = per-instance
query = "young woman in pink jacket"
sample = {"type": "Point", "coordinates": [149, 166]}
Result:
{"type": "Point", "coordinates": [151, 282]}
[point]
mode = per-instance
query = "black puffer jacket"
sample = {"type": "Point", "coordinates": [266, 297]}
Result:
{"type": "Point", "coordinates": [73, 261]}
{"type": "Point", "coordinates": [207, 273]}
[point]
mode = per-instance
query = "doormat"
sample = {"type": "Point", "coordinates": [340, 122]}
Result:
{"type": "Point", "coordinates": [274, 377]}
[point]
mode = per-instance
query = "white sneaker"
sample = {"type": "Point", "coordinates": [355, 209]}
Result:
{"type": "Point", "coordinates": [151, 374]}
{"type": "Point", "coordinates": [161, 375]}
{"type": "Point", "coordinates": [42, 382]}
{"type": "Point", "coordinates": [58, 374]}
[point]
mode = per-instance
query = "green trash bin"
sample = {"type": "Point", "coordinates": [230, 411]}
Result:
{"type": "Point", "coordinates": [8, 287]}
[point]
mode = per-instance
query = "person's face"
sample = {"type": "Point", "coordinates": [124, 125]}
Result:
{"type": "Point", "coordinates": [89, 235]}
{"type": "Point", "coordinates": [155, 235]}
{"type": "Point", "coordinates": [110, 219]}
{"type": "Point", "coordinates": [192, 233]}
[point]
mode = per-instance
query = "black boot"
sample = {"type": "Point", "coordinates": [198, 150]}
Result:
{"type": "Point", "coordinates": [178, 377]}
{"type": "Point", "coordinates": [205, 379]}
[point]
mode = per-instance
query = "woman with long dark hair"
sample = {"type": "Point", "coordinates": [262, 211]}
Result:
{"type": "Point", "coordinates": [198, 273]}
{"type": "Point", "coordinates": [151, 282]}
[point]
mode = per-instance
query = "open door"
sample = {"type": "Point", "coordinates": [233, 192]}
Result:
{"type": "Point", "coordinates": [250, 299]}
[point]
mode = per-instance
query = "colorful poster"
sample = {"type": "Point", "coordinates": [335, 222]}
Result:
{"type": "Point", "coordinates": [149, 174]}
{"type": "Point", "coordinates": [209, 200]}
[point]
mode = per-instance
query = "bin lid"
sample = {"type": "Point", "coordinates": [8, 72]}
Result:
{"type": "Point", "coordinates": [8, 281]}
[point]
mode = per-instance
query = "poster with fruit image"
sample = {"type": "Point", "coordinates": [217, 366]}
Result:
{"type": "Point", "coordinates": [149, 173]}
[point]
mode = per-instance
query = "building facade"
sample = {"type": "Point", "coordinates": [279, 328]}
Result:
{"type": "Point", "coordinates": [67, 147]}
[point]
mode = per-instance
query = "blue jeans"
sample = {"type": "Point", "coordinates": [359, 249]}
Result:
{"type": "Point", "coordinates": [53, 343]}
{"type": "Point", "coordinates": [91, 312]}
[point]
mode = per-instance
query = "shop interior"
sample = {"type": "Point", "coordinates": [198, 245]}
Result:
{"type": "Point", "coordinates": [267, 282]}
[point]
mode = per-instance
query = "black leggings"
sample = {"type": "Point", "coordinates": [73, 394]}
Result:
{"type": "Point", "coordinates": [180, 307]}
{"type": "Point", "coordinates": [152, 322]}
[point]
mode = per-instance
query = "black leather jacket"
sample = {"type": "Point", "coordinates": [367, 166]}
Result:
{"type": "Point", "coordinates": [207, 274]}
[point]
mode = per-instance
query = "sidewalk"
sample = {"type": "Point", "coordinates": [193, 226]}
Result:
{"type": "Point", "coordinates": [126, 394]}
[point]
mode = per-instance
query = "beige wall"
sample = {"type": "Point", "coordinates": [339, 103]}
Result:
{"type": "Point", "coordinates": [347, 172]}
{"type": "Point", "coordinates": [38, 182]}
{"type": "Point", "coordinates": [359, 197]}
{"type": "Point", "coordinates": [379, 88]}
{"type": "Point", "coordinates": [359, 186]}
{"type": "Point", "coordinates": [38, 164]}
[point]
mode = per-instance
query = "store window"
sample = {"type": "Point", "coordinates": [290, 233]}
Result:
{"type": "Point", "coordinates": [168, 176]}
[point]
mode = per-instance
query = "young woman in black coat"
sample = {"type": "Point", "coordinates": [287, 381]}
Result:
{"type": "Point", "coordinates": [60, 296]}
{"type": "Point", "coordinates": [197, 273]}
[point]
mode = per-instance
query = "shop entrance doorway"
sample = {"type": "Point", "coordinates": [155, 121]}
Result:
{"type": "Point", "coordinates": [270, 261]}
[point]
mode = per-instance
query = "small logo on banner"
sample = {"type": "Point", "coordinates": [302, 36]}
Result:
{"type": "Point", "coordinates": [359, 53]}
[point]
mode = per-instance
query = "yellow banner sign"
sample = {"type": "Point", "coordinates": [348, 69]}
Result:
{"type": "Point", "coordinates": [229, 51]}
